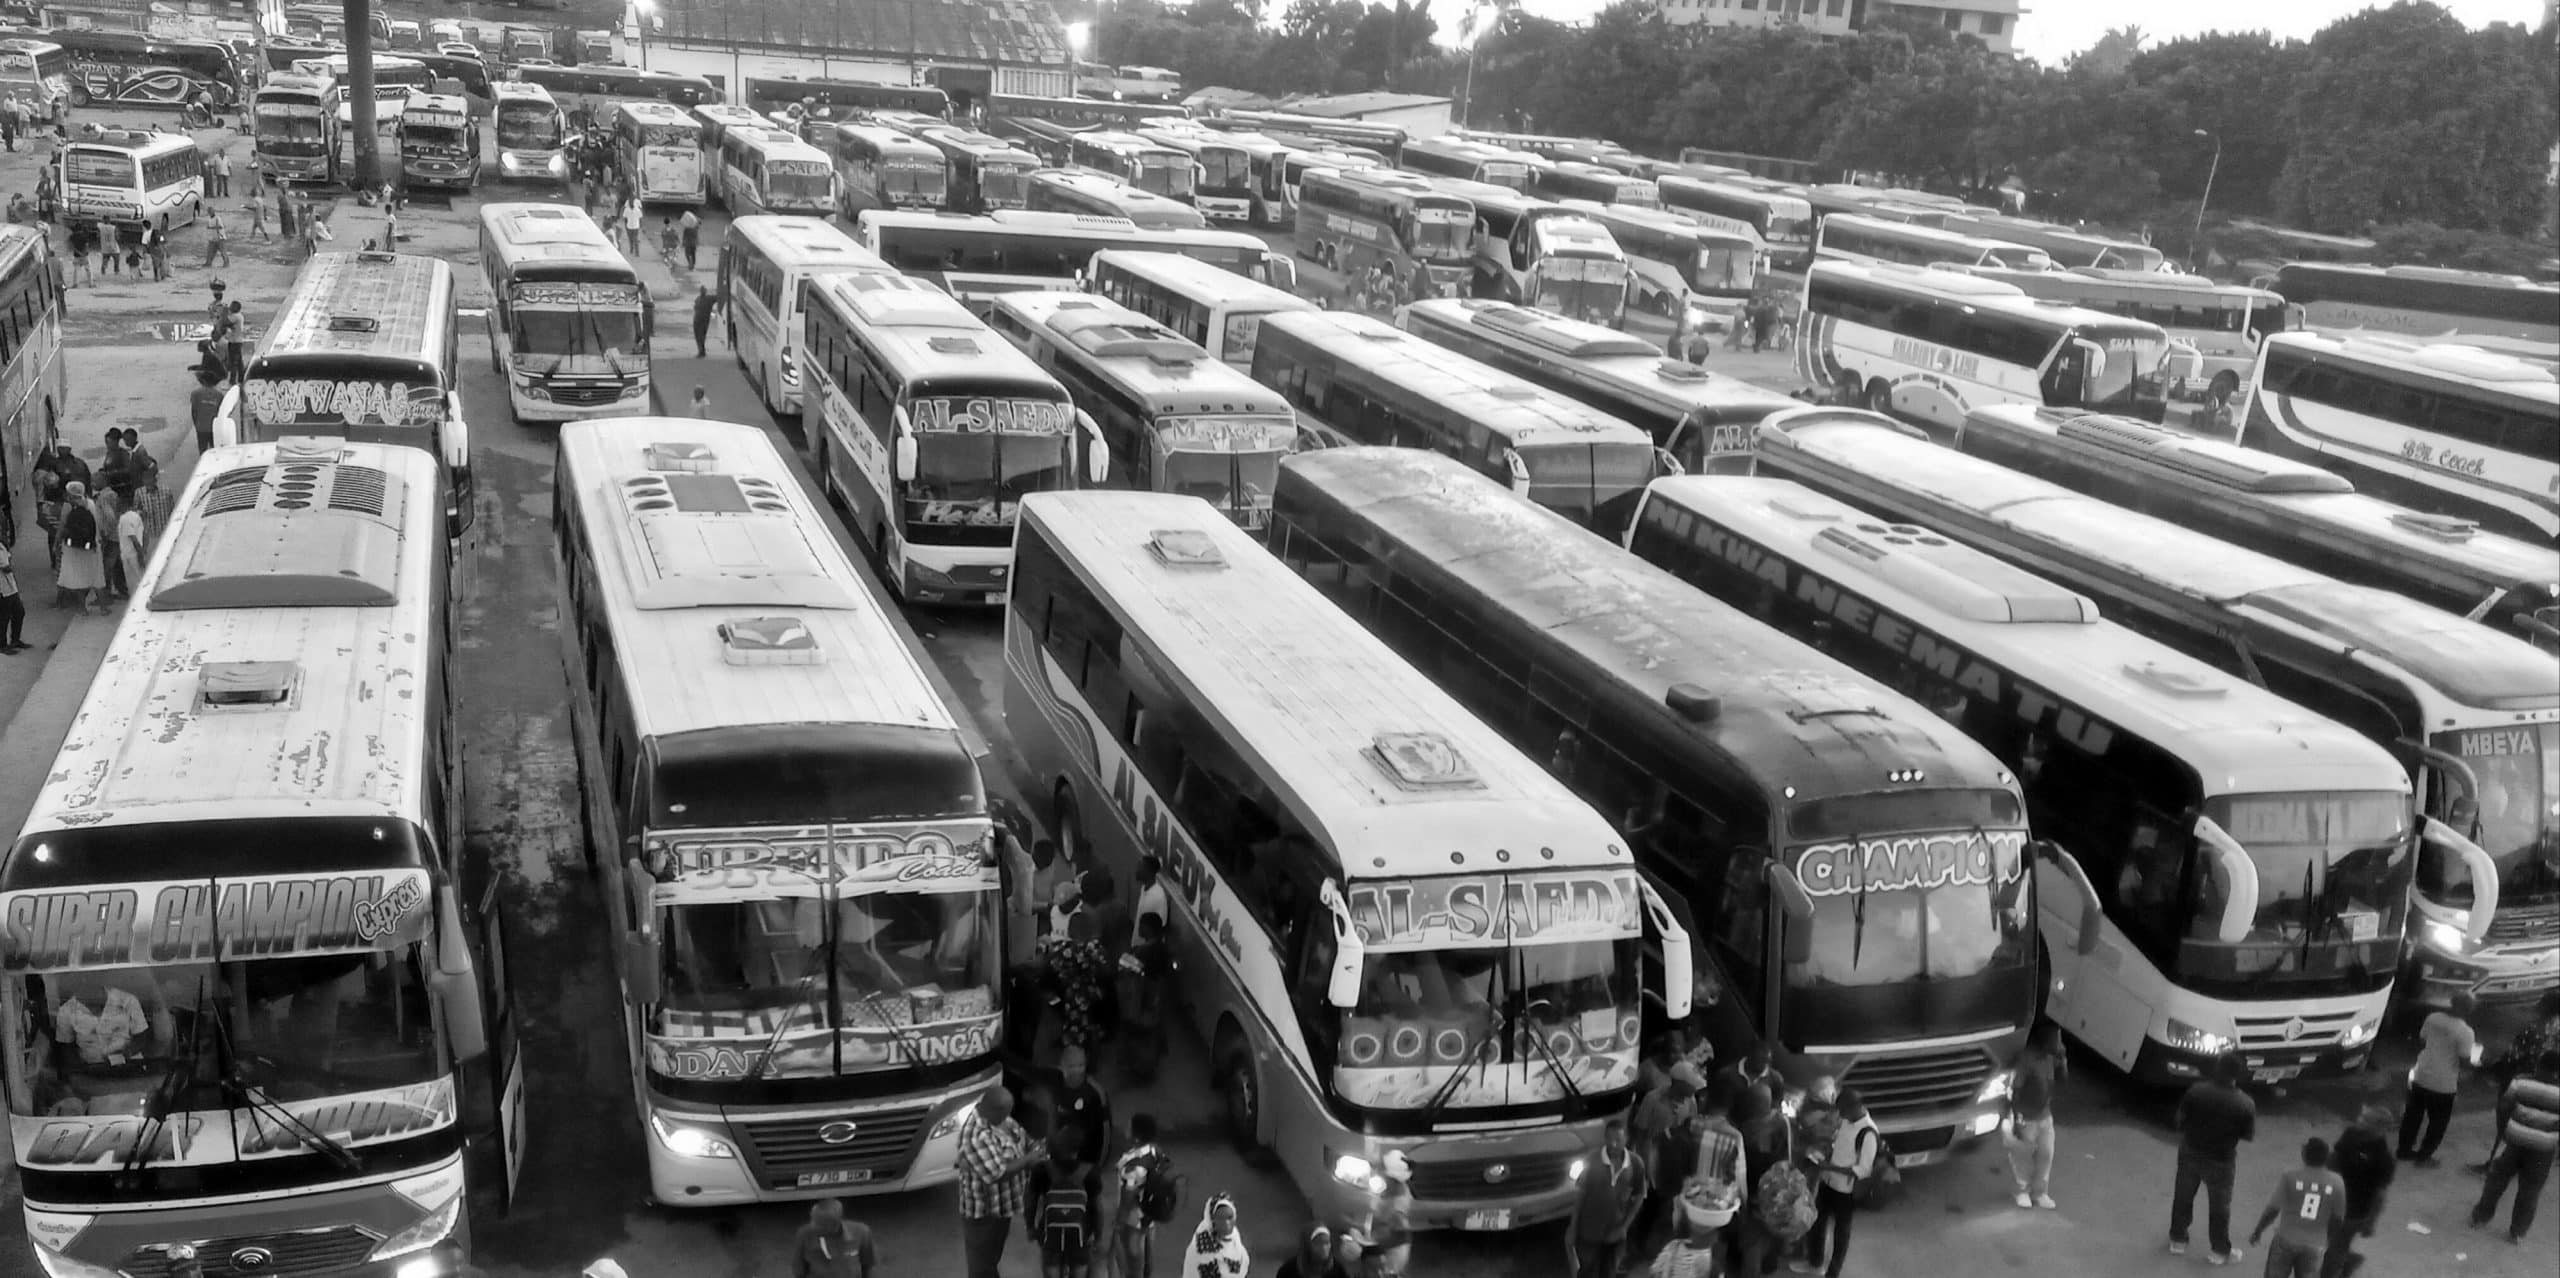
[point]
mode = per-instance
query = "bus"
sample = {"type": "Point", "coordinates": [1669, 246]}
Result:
{"type": "Point", "coordinates": [2290, 509]}
{"type": "Point", "coordinates": [294, 127]}
{"type": "Point", "coordinates": [1782, 223]}
{"type": "Point", "coordinates": [1173, 418]}
{"type": "Point", "coordinates": [1380, 968]}
{"type": "Point", "coordinates": [532, 133]}
{"type": "Point", "coordinates": [1354, 220]}
{"type": "Point", "coordinates": [659, 148]}
{"type": "Point", "coordinates": [765, 266]}
{"type": "Point", "coordinates": [1551, 145]}
{"type": "Point", "coordinates": [2066, 247]}
{"type": "Point", "coordinates": [881, 168]}
{"type": "Point", "coordinates": [1576, 180]}
{"type": "Point", "coordinates": [975, 257]}
{"type": "Point", "coordinates": [1369, 136]}
{"type": "Point", "coordinates": [1152, 167]}
{"type": "Point", "coordinates": [2223, 862]}
{"type": "Point", "coordinates": [2215, 328]}
{"type": "Point", "coordinates": [363, 347]}
{"type": "Point", "coordinates": [128, 68]}
{"type": "Point", "coordinates": [1845, 237]}
{"type": "Point", "coordinates": [2472, 714]}
{"type": "Point", "coordinates": [1358, 380]}
{"type": "Point", "coordinates": [805, 899]}
{"type": "Point", "coordinates": [2423, 301]}
{"type": "Point", "coordinates": [36, 70]}
{"type": "Point", "coordinates": [986, 172]}
{"type": "Point", "coordinates": [1223, 184]}
{"type": "Point", "coordinates": [439, 143]}
{"type": "Point", "coordinates": [34, 390]}
{"type": "Point", "coordinates": [1085, 192]}
{"type": "Point", "coordinates": [569, 317]}
{"type": "Point", "coordinates": [1294, 169]}
{"type": "Point", "coordinates": [2452, 430]}
{"type": "Point", "coordinates": [1703, 420]}
{"type": "Point", "coordinates": [770, 171]}
{"type": "Point", "coordinates": [1576, 269]}
{"type": "Point", "coordinates": [2264, 248]}
{"type": "Point", "coordinates": [1076, 113]}
{"type": "Point", "coordinates": [593, 88]}
{"type": "Point", "coordinates": [1471, 161]}
{"type": "Point", "coordinates": [256, 992]}
{"type": "Point", "coordinates": [932, 430]}
{"type": "Point", "coordinates": [1854, 872]}
{"type": "Point", "coordinates": [132, 179]}
{"type": "Point", "coordinates": [1268, 199]}
{"type": "Point", "coordinates": [1676, 265]}
{"type": "Point", "coordinates": [1936, 345]}
{"type": "Point", "coordinates": [1777, 168]}
{"type": "Point", "coordinates": [772, 93]}
{"type": "Point", "coordinates": [1216, 310]}
{"type": "Point", "coordinates": [713, 120]}
{"type": "Point", "coordinates": [1053, 143]}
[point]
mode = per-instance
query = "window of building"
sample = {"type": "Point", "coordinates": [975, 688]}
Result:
{"type": "Point", "coordinates": [1833, 9]}
{"type": "Point", "coordinates": [1955, 21]}
{"type": "Point", "coordinates": [1992, 23]}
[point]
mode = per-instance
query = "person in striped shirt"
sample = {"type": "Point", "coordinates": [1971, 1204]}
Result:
{"type": "Point", "coordinates": [2529, 1139]}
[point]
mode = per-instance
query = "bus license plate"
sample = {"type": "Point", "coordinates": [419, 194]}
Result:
{"type": "Point", "coordinates": [1912, 1160]}
{"type": "Point", "coordinates": [842, 1176]}
{"type": "Point", "coordinates": [2276, 1074]}
{"type": "Point", "coordinates": [1492, 1218]}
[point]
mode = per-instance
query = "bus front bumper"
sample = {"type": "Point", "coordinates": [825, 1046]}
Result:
{"type": "Point", "coordinates": [2439, 968]}
{"type": "Point", "coordinates": [957, 584]}
{"type": "Point", "coordinates": [533, 164]}
{"type": "Point", "coordinates": [715, 1158]}
{"type": "Point", "coordinates": [2323, 1051]}
{"type": "Point", "coordinates": [1221, 209]}
{"type": "Point", "coordinates": [417, 1226]}
{"type": "Point", "coordinates": [1502, 1184]}
{"type": "Point", "coordinates": [293, 168]}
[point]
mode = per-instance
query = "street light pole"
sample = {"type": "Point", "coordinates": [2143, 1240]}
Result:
{"type": "Point", "coordinates": [2195, 239]}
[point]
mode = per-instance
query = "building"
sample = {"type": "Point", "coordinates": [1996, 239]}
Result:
{"type": "Point", "coordinates": [969, 47]}
{"type": "Point", "coordinates": [1419, 115]}
{"type": "Point", "coordinates": [1993, 22]}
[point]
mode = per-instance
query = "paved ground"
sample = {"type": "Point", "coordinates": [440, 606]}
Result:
{"type": "Point", "coordinates": [582, 1198]}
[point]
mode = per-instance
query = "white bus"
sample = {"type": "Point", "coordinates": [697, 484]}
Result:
{"type": "Point", "coordinates": [132, 179]}
{"type": "Point", "coordinates": [295, 122]}
{"type": "Point", "coordinates": [1354, 220]}
{"type": "Point", "coordinates": [2066, 247]}
{"type": "Point", "coordinates": [1846, 237]}
{"type": "Point", "coordinates": [439, 142]}
{"type": "Point", "coordinates": [1472, 161]}
{"type": "Point", "coordinates": [569, 318]}
{"type": "Point", "coordinates": [2424, 301]}
{"type": "Point", "coordinates": [801, 878]}
{"type": "Point", "coordinates": [1223, 174]}
{"type": "Point", "coordinates": [1935, 345]}
{"type": "Point", "coordinates": [1377, 961]}
{"type": "Point", "coordinates": [1578, 270]}
{"type": "Point", "coordinates": [255, 994]}
{"type": "Point", "coordinates": [531, 132]}
{"type": "Point", "coordinates": [2232, 861]}
{"type": "Point", "coordinates": [881, 168]}
{"type": "Point", "coordinates": [1091, 194]}
{"type": "Point", "coordinates": [1147, 165]}
{"type": "Point", "coordinates": [771, 171]}
{"type": "Point", "coordinates": [1782, 223]}
{"type": "Point", "coordinates": [715, 119]}
{"type": "Point", "coordinates": [765, 266]}
{"type": "Point", "coordinates": [659, 148]}
{"type": "Point", "coordinates": [1676, 264]}
{"type": "Point", "coordinates": [1216, 310]}
{"type": "Point", "coordinates": [2444, 428]}
{"type": "Point", "coordinates": [932, 430]}
{"type": "Point", "coordinates": [2218, 326]}
{"type": "Point", "coordinates": [1172, 418]}
{"type": "Point", "coordinates": [976, 257]}
{"type": "Point", "coordinates": [986, 172]}
{"type": "Point", "coordinates": [1582, 180]}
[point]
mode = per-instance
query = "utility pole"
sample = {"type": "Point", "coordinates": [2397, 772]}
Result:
{"type": "Point", "coordinates": [360, 100]}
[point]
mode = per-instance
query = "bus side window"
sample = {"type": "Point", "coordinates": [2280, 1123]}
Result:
{"type": "Point", "coordinates": [1316, 1016]}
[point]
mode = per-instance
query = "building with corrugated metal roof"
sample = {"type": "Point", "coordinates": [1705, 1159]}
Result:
{"type": "Point", "coordinates": [968, 47]}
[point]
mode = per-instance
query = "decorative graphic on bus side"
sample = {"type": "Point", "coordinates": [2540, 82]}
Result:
{"type": "Point", "coordinates": [1912, 861]}
{"type": "Point", "coordinates": [198, 1138]}
{"type": "Point", "coordinates": [300, 401]}
{"type": "Point", "coordinates": [1495, 909]}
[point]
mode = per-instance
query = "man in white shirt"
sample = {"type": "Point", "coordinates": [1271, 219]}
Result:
{"type": "Point", "coordinates": [133, 543]}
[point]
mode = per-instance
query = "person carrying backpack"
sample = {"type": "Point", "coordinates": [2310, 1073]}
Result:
{"type": "Point", "coordinates": [81, 573]}
{"type": "Point", "coordinates": [1855, 1145]}
{"type": "Point", "coordinates": [1149, 1194]}
{"type": "Point", "coordinates": [830, 1246]}
{"type": "Point", "coordinates": [1782, 1204]}
{"type": "Point", "coordinates": [1061, 1218]}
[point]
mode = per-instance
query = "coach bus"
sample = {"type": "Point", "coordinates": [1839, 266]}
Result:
{"type": "Point", "coordinates": [1855, 873]}
{"type": "Point", "coordinates": [1936, 345]}
{"type": "Point", "coordinates": [1367, 136]}
{"type": "Point", "coordinates": [1577, 269]}
{"type": "Point", "coordinates": [1091, 194]}
{"type": "Point", "coordinates": [1571, 180]}
{"type": "Point", "coordinates": [34, 392]}
{"type": "Point", "coordinates": [294, 127]}
{"type": "Point", "coordinates": [1150, 166]}
{"type": "Point", "coordinates": [2424, 301]}
{"type": "Point", "coordinates": [1359, 380]}
{"type": "Point", "coordinates": [362, 348]}
{"type": "Point", "coordinates": [772, 171]}
{"type": "Point", "coordinates": [1381, 966]}
{"type": "Point", "coordinates": [2220, 323]}
{"type": "Point", "coordinates": [37, 70]}
{"type": "Point", "coordinates": [974, 258]}
{"type": "Point", "coordinates": [773, 93]}
{"type": "Point", "coordinates": [1173, 418]}
{"type": "Point", "coordinates": [1354, 220]}
{"type": "Point", "coordinates": [255, 992]}
{"type": "Point", "coordinates": [931, 431]}
{"type": "Point", "coordinates": [2066, 247]}
{"type": "Point", "coordinates": [439, 143]}
{"type": "Point", "coordinates": [986, 172]}
{"type": "Point", "coordinates": [1222, 172]}
{"type": "Point", "coordinates": [1077, 113]}
{"type": "Point", "coordinates": [2473, 714]}
{"type": "Point", "coordinates": [2453, 430]}
{"type": "Point", "coordinates": [1553, 145]}
{"type": "Point", "coordinates": [132, 179]}
{"type": "Point", "coordinates": [1271, 203]}
{"type": "Point", "coordinates": [658, 146]}
{"type": "Point", "coordinates": [2232, 861]}
{"type": "Point", "coordinates": [1845, 237]}
{"type": "Point", "coordinates": [713, 120]}
{"type": "Point", "coordinates": [1704, 420]}
{"type": "Point", "coordinates": [1678, 266]}
{"type": "Point", "coordinates": [804, 895]}
{"type": "Point", "coordinates": [1470, 161]}
{"type": "Point", "coordinates": [569, 317]}
{"type": "Point", "coordinates": [1782, 223]}
{"type": "Point", "coordinates": [765, 267]}
{"type": "Point", "coordinates": [1298, 163]}
{"type": "Point", "coordinates": [1217, 310]}
{"type": "Point", "coordinates": [128, 68]}
{"type": "Point", "coordinates": [532, 133]}
{"type": "Point", "coordinates": [881, 168]}
{"type": "Point", "coordinates": [594, 87]}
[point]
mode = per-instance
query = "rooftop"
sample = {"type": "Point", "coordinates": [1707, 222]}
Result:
{"type": "Point", "coordinates": [1016, 31]}
{"type": "Point", "coordinates": [1352, 106]}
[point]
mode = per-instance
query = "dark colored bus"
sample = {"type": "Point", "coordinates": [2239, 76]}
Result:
{"type": "Point", "coordinates": [125, 68]}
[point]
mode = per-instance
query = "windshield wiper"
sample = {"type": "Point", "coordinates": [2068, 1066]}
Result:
{"type": "Point", "coordinates": [1858, 904]}
{"type": "Point", "coordinates": [799, 994]}
{"type": "Point", "coordinates": [1555, 1065]}
{"type": "Point", "coordinates": [1475, 1055]}
{"type": "Point", "coordinates": [240, 1089]}
{"type": "Point", "coordinates": [163, 1096]}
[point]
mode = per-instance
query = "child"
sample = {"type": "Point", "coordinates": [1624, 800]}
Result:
{"type": "Point", "coordinates": [1061, 1222]}
{"type": "Point", "coordinates": [667, 238]}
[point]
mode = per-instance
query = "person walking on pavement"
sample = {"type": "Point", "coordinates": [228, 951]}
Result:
{"type": "Point", "coordinates": [13, 609]}
{"type": "Point", "coordinates": [133, 547]}
{"type": "Point", "coordinates": [2446, 1043]}
{"type": "Point", "coordinates": [995, 1155]}
{"type": "Point", "coordinates": [690, 228]}
{"type": "Point", "coordinates": [2213, 1118]}
{"type": "Point", "coordinates": [2305, 1207]}
{"type": "Point", "coordinates": [216, 243]}
{"type": "Point", "coordinates": [2028, 1133]}
{"type": "Point", "coordinates": [236, 351]}
{"type": "Point", "coordinates": [1217, 1248]}
{"type": "Point", "coordinates": [2362, 1159]}
{"type": "Point", "coordinates": [2529, 1140]}
{"type": "Point", "coordinates": [203, 404]}
{"type": "Point", "coordinates": [257, 211]}
{"type": "Point", "coordinates": [701, 406]}
{"type": "Point", "coordinates": [110, 249]}
{"type": "Point", "coordinates": [830, 1246]}
{"type": "Point", "coordinates": [157, 237]}
{"type": "Point", "coordinates": [84, 246]}
{"type": "Point", "coordinates": [704, 303]}
{"type": "Point", "coordinates": [221, 173]}
{"type": "Point", "coordinates": [1855, 1145]}
{"type": "Point", "coordinates": [631, 225]}
{"type": "Point", "coordinates": [1612, 1190]}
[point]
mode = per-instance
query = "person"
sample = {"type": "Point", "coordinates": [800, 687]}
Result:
{"type": "Point", "coordinates": [2362, 1159]}
{"type": "Point", "coordinates": [2528, 1141]}
{"type": "Point", "coordinates": [2305, 1205]}
{"type": "Point", "coordinates": [830, 1246]}
{"type": "Point", "coordinates": [1605, 1203]}
{"type": "Point", "coordinates": [689, 230]}
{"type": "Point", "coordinates": [631, 214]}
{"type": "Point", "coordinates": [701, 401]}
{"type": "Point", "coordinates": [204, 403]}
{"type": "Point", "coordinates": [110, 249]}
{"type": "Point", "coordinates": [2028, 1131]}
{"type": "Point", "coordinates": [156, 239]}
{"type": "Point", "coordinates": [2214, 1117]}
{"type": "Point", "coordinates": [1660, 1133]}
{"type": "Point", "coordinates": [1768, 1143]}
{"type": "Point", "coordinates": [109, 510]}
{"type": "Point", "coordinates": [257, 211]}
{"type": "Point", "coordinates": [216, 244]}
{"type": "Point", "coordinates": [1147, 1191]}
{"type": "Point", "coordinates": [1061, 1198]}
{"type": "Point", "coordinates": [13, 609]}
{"type": "Point", "coordinates": [133, 547]}
{"type": "Point", "coordinates": [994, 1154]}
{"type": "Point", "coordinates": [1077, 1102]}
{"type": "Point", "coordinates": [1076, 971]}
{"type": "Point", "coordinates": [83, 237]}
{"type": "Point", "coordinates": [80, 574]}
{"type": "Point", "coordinates": [155, 504]}
{"type": "Point", "coordinates": [1692, 1253]}
{"type": "Point", "coordinates": [235, 344]}
{"type": "Point", "coordinates": [1388, 1240]}
{"type": "Point", "coordinates": [1148, 896]}
{"type": "Point", "coordinates": [667, 239]}
{"type": "Point", "coordinates": [1314, 1257]}
{"type": "Point", "coordinates": [1101, 898]}
{"type": "Point", "coordinates": [704, 303]}
{"type": "Point", "coordinates": [10, 115]}
{"type": "Point", "coordinates": [1142, 987]}
{"type": "Point", "coordinates": [1845, 1162]}
{"type": "Point", "coordinates": [221, 173]}
{"type": "Point", "coordinates": [115, 472]}
{"type": "Point", "coordinates": [2446, 1044]}
{"type": "Point", "coordinates": [1217, 1248]}
{"type": "Point", "coordinates": [2516, 1059]}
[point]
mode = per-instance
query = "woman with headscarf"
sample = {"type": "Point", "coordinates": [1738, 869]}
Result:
{"type": "Point", "coordinates": [1315, 1258]}
{"type": "Point", "coordinates": [82, 572]}
{"type": "Point", "coordinates": [1217, 1250]}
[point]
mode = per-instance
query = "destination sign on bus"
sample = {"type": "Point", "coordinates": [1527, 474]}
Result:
{"type": "Point", "coordinates": [892, 1030]}
{"type": "Point", "coordinates": [938, 415]}
{"type": "Point", "coordinates": [850, 859]}
{"type": "Point", "coordinates": [578, 293]}
{"type": "Point", "coordinates": [198, 1138]}
{"type": "Point", "coordinates": [1495, 909]}
{"type": "Point", "coordinates": [1226, 434]}
{"type": "Point", "coordinates": [1912, 861]}
{"type": "Point", "coordinates": [327, 401]}
{"type": "Point", "coordinates": [211, 920]}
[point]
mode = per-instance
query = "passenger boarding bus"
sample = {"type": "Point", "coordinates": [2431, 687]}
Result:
{"type": "Point", "coordinates": [1150, 166]}
{"type": "Point", "coordinates": [569, 317]}
{"type": "Point", "coordinates": [2290, 509]}
{"type": "Point", "coordinates": [1936, 345]}
{"type": "Point", "coordinates": [1217, 310]}
{"type": "Point", "coordinates": [2424, 301]}
{"type": "Point", "coordinates": [2213, 329]}
{"type": "Point", "coordinates": [765, 267]}
{"type": "Point", "coordinates": [132, 179]}
{"type": "Point", "coordinates": [532, 133]}
{"type": "Point", "coordinates": [256, 993]}
{"type": "Point", "coordinates": [439, 143]}
{"type": "Point", "coordinates": [1845, 237]}
{"type": "Point", "coordinates": [34, 393]}
{"type": "Point", "coordinates": [658, 147]}
{"type": "Point", "coordinates": [931, 431]}
{"type": "Point", "coordinates": [1092, 194]}
{"type": "Point", "coordinates": [1853, 871]}
{"type": "Point", "coordinates": [1704, 420]}
{"type": "Point", "coordinates": [2452, 430]}
{"type": "Point", "coordinates": [2473, 715]}
{"type": "Point", "coordinates": [2220, 861]}
{"type": "Point", "coordinates": [1472, 161]}
{"type": "Point", "coordinates": [805, 901]}
{"type": "Point", "coordinates": [881, 168]}
{"type": "Point", "coordinates": [986, 172]}
{"type": "Point", "coordinates": [1574, 180]}
{"type": "Point", "coordinates": [1677, 266]}
{"type": "Point", "coordinates": [1383, 971]}
{"type": "Point", "coordinates": [2068, 248]}
{"type": "Point", "coordinates": [1358, 380]}
{"type": "Point", "coordinates": [1354, 220]}
{"type": "Point", "coordinates": [975, 258]}
{"type": "Point", "coordinates": [294, 127]}
{"type": "Point", "coordinates": [361, 348]}
{"type": "Point", "coordinates": [1173, 418]}
{"type": "Point", "coordinates": [770, 171]}
{"type": "Point", "coordinates": [1223, 177]}
{"type": "Point", "coordinates": [1782, 223]}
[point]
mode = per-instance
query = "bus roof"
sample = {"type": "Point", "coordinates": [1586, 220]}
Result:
{"type": "Point", "coordinates": [134, 142]}
{"type": "Point", "coordinates": [435, 103]}
{"type": "Point", "coordinates": [502, 90]}
{"type": "Point", "coordinates": [1206, 281]}
{"type": "Point", "coordinates": [1365, 749]}
{"type": "Point", "coordinates": [653, 111]}
{"type": "Point", "coordinates": [2445, 361]}
{"type": "Point", "coordinates": [1775, 201]}
{"type": "Point", "coordinates": [1158, 367]}
{"type": "Point", "coordinates": [2239, 737]}
{"type": "Point", "coordinates": [773, 143]}
{"type": "Point", "coordinates": [296, 82]}
{"type": "Point", "coordinates": [1622, 219]}
{"type": "Point", "coordinates": [1526, 415]}
{"type": "Point", "coordinates": [805, 242]}
{"type": "Point", "coordinates": [277, 651]}
{"type": "Point", "coordinates": [986, 146]}
{"type": "Point", "coordinates": [925, 334]}
{"type": "Point", "coordinates": [1576, 236]}
{"type": "Point", "coordinates": [1916, 233]}
{"type": "Point", "coordinates": [1987, 294]}
{"type": "Point", "coordinates": [1594, 355]}
{"type": "Point", "coordinates": [553, 241]}
{"type": "Point", "coordinates": [340, 303]}
{"type": "Point", "coordinates": [2108, 283]}
{"type": "Point", "coordinates": [888, 142]}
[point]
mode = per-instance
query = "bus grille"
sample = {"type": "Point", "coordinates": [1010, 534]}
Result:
{"type": "Point", "coordinates": [311, 1251]}
{"type": "Point", "coordinates": [2523, 921]}
{"type": "Point", "coordinates": [2285, 1038]}
{"type": "Point", "coordinates": [883, 1143]}
{"type": "Point", "coordinates": [1919, 1082]}
{"type": "Point", "coordinates": [1465, 1180]}
{"type": "Point", "coordinates": [585, 394]}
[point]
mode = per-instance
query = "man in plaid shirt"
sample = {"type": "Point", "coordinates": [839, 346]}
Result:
{"type": "Point", "coordinates": [994, 1154]}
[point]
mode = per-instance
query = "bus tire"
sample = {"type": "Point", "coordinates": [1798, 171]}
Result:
{"type": "Point", "coordinates": [1880, 396]}
{"type": "Point", "coordinates": [79, 93]}
{"type": "Point", "coordinates": [1240, 1095]}
{"type": "Point", "coordinates": [1069, 825]}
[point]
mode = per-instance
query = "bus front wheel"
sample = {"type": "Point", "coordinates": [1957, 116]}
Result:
{"type": "Point", "coordinates": [79, 94]}
{"type": "Point", "coordinates": [1241, 1093]}
{"type": "Point", "coordinates": [1880, 397]}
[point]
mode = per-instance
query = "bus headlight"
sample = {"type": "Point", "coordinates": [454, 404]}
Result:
{"type": "Point", "coordinates": [688, 1142]}
{"type": "Point", "coordinates": [2448, 936]}
{"type": "Point", "coordinates": [1996, 1087]}
{"type": "Point", "coordinates": [57, 1265]}
{"type": "Point", "coordinates": [1573, 1170]}
{"type": "Point", "coordinates": [2189, 1038]}
{"type": "Point", "coordinates": [440, 1192]}
{"type": "Point", "coordinates": [1358, 1172]}
{"type": "Point", "coordinates": [2360, 1033]}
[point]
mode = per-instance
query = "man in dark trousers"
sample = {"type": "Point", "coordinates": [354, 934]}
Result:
{"type": "Point", "coordinates": [2213, 1118]}
{"type": "Point", "coordinates": [2362, 1158]}
{"type": "Point", "coordinates": [2528, 1142]}
{"type": "Point", "coordinates": [1605, 1205]}
{"type": "Point", "coordinates": [704, 303]}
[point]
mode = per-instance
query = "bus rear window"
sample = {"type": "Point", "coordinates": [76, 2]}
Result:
{"type": "Point", "coordinates": [1849, 815]}
{"type": "Point", "coordinates": [98, 168]}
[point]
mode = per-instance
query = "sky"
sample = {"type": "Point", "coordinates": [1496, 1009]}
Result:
{"type": "Point", "coordinates": [2052, 30]}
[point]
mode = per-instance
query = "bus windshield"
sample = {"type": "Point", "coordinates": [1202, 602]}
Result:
{"type": "Point", "coordinates": [1224, 169]}
{"type": "Point", "coordinates": [437, 138]}
{"type": "Point", "coordinates": [528, 127]}
{"type": "Point", "coordinates": [1582, 481]}
{"type": "Point", "coordinates": [2132, 373]}
{"type": "Point", "coordinates": [1166, 175]}
{"type": "Point", "coordinates": [1517, 1014]}
{"type": "Point", "coordinates": [289, 123]}
{"type": "Point", "coordinates": [1439, 233]}
{"type": "Point", "coordinates": [587, 322]}
{"type": "Point", "coordinates": [797, 182]}
{"type": "Point", "coordinates": [913, 179]}
{"type": "Point", "coordinates": [1913, 886]}
{"type": "Point", "coordinates": [2518, 816]}
{"type": "Point", "coordinates": [976, 478]}
{"type": "Point", "coordinates": [1236, 482]}
{"type": "Point", "coordinates": [663, 134]}
{"type": "Point", "coordinates": [1724, 270]}
{"type": "Point", "coordinates": [2334, 870]}
{"type": "Point", "coordinates": [1004, 186]}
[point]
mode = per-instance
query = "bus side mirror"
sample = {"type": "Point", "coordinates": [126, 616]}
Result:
{"type": "Point", "coordinates": [1519, 470]}
{"type": "Point", "coordinates": [2051, 859]}
{"type": "Point", "coordinates": [452, 986]}
{"type": "Point", "coordinates": [1795, 914]}
{"type": "Point", "coordinates": [1284, 273]}
{"type": "Point", "coordinates": [2483, 871]}
{"type": "Point", "coordinates": [2239, 876]}
{"type": "Point", "coordinates": [1679, 980]}
{"type": "Point", "coordinates": [1097, 451]}
{"type": "Point", "coordinates": [903, 455]}
{"type": "Point", "coordinates": [640, 945]}
{"type": "Point", "coordinates": [226, 419]}
{"type": "Point", "coordinates": [1350, 955]}
{"type": "Point", "coordinates": [1664, 464]}
{"type": "Point", "coordinates": [457, 462]}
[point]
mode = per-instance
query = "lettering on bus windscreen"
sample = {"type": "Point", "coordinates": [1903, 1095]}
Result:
{"type": "Point", "coordinates": [578, 293]}
{"type": "Point", "coordinates": [326, 401]}
{"type": "Point", "coordinates": [218, 920]}
{"type": "Point", "coordinates": [1912, 861]}
{"type": "Point", "coordinates": [952, 416]}
{"type": "Point", "coordinates": [1496, 909]}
